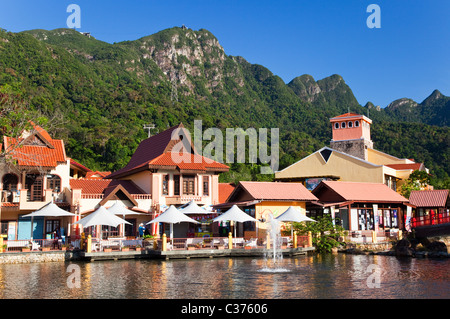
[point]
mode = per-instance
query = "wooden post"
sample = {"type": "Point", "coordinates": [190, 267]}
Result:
{"type": "Point", "coordinates": [1, 244]}
{"type": "Point", "coordinates": [89, 244]}
{"type": "Point", "coordinates": [374, 236]}
{"type": "Point", "coordinates": [164, 242]}
{"type": "Point", "coordinates": [295, 240]}
{"type": "Point", "coordinates": [82, 241]}
{"type": "Point", "coordinates": [400, 234]}
{"type": "Point", "coordinates": [230, 241]}
{"type": "Point", "coordinates": [309, 239]}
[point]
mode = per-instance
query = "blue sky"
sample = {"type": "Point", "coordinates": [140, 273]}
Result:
{"type": "Point", "coordinates": [407, 57]}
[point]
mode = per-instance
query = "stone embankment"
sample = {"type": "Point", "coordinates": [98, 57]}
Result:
{"type": "Point", "coordinates": [435, 247]}
{"type": "Point", "coordinates": [37, 257]}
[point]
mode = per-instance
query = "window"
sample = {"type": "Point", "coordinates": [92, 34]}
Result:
{"type": "Point", "coordinates": [356, 123]}
{"type": "Point", "coordinates": [165, 185]}
{"type": "Point", "coordinates": [176, 184]}
{"type": "Point", "coordinates": [336, 125]}
{"type": "Point", "coordinates": [350, 124]}
{"type": "Point", "coordinates": [33, 183]}
{"type": "Point", "coordinates": [51, 225]}
{"type": "Point", "coordinates": [343, 125]}
{"type": "Point", "coordinates": [54, 183]}
{"type": "Point", "coordinates": [189, 185]}
{"type": "Point", "coordinates": [206, 185]}
{"type": "Point", "coordinates": [10, 182]}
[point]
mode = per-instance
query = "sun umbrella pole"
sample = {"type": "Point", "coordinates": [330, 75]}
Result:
{"type": "Point", "coordinates": [234, 226]}
{"type": "Point", "coordinates": [31, 235]}
{"type": "Point", "coordinates": [171, 233]}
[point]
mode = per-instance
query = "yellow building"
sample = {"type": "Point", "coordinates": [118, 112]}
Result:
{"type": "Point", "coordinates": [351, 158]}
{"type": "Point", "coordinates": [260, 199]}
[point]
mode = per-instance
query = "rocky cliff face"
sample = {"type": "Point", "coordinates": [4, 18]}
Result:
{"type": "Point", "coordinates": [190, 58]}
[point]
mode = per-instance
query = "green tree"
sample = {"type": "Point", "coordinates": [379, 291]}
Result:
{"type": "Point", "coordinates": [325, 235]}
{"type": "Point", "coordinates": [417, 180]}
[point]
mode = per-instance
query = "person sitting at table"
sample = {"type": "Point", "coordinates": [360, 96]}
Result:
{"type": "Point", "coordinates": [55, 243]}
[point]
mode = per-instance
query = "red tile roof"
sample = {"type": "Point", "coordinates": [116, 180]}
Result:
{"type": "Point", "coordinates": [347, 114]}
{"type": "Point", "coordinates": [49, 153]}
{"type": "Point", "coordinates": [155, 152]}
{"type": "Point", "coordinates": [276, 191]}
{"type": "Point", "coordinates": [186, 162]}
{"type": "Point", "coordinates": [103, 186]}
{"type": "Point", "coordinates": [75, 163]}
{"type": "Point", "coordinates": [360, 192]}
{"type": "Point", "coordinates": [101, 175]}
{"type": "Point", "coordinates": [429, 198]}
{"type": "Point", "coordinates": [225, 189]}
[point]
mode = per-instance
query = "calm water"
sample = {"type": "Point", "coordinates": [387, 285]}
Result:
{"type": "Point", "coordinates": [330, 276]}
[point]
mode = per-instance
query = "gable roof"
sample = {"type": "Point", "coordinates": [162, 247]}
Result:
{"type": "Point", "coordinates": [46, 152]}
{"type": "Point", "coordinates": [326, 152]}
{"type": "Point", "coordinates": [104, 186]}
{"type": "Point", "coordinates": [359, 192]}
{"type": "Point", "coordinates": [156, 152]}
{"type": "Point", "coordinates": [225, 190]}
{"type": "Point", "coordinates": [276, 191]}
{"type": "Point", "coordinates": [79, 166]}
{"type": "Point", "coordinates": [429, 198]}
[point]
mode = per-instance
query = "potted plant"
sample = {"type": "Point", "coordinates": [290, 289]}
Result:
{"type": "Point", "coordinates": [123, 248]}
{"type": "Point", "coordinates": [107, 250]}
{"type": "Point", "coordinates": [138, 248]}
{"type": "Point", "coordinates": [27, 248]}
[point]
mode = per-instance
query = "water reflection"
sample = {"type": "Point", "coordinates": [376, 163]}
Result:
{"type": "Point", "coordinates": [327, 276]}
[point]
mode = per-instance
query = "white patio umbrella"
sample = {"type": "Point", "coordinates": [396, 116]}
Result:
{"type": "Point", "coordinates": [101, 217]}
{"type": "Point", "coordinates": [120, 209]}
{"type": "Point", "coordinates": [172, 216]}
{"type": "Point", "coordinates": [48, 210]}
{"type": "Point", "coordinates": [235, 214]}
{"type": "Point", "coordinates": [292, 214]}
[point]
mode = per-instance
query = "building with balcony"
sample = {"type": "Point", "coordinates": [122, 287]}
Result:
{"type": "Point", "coordinates": [168, 168]}
{"type": "Point", "coordinates": [350, 158]}
{"type": "Point", "coordinates": [37, 171]}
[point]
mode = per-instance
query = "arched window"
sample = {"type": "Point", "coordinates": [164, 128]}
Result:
{"type": "Point", "coordinates": [54, 183]}
{"type": "Point", "coordinates": [350, 124]}
{"type": "Point", "coordinates": [356, 123]}
{"type": "Point", "coordinates": [343, 125]}
{"type": "Point", "coordinates": [336, 125]}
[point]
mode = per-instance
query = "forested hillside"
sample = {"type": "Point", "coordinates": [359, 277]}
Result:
{"type": "Point", "coordinates": [107, 92]}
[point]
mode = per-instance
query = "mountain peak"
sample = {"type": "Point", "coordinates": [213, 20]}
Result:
{"type": "Point", "coordinates": [436, 95]}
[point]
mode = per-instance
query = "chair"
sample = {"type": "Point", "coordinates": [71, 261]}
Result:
{"type": "Point", "coordinates": [252, 242]}
{"type": "Point", "coordinates": [238, 242]}
{"type": "Point", "coordinates": [217, 243]}
{"type": "Point", "coordinates": [35, 245]}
